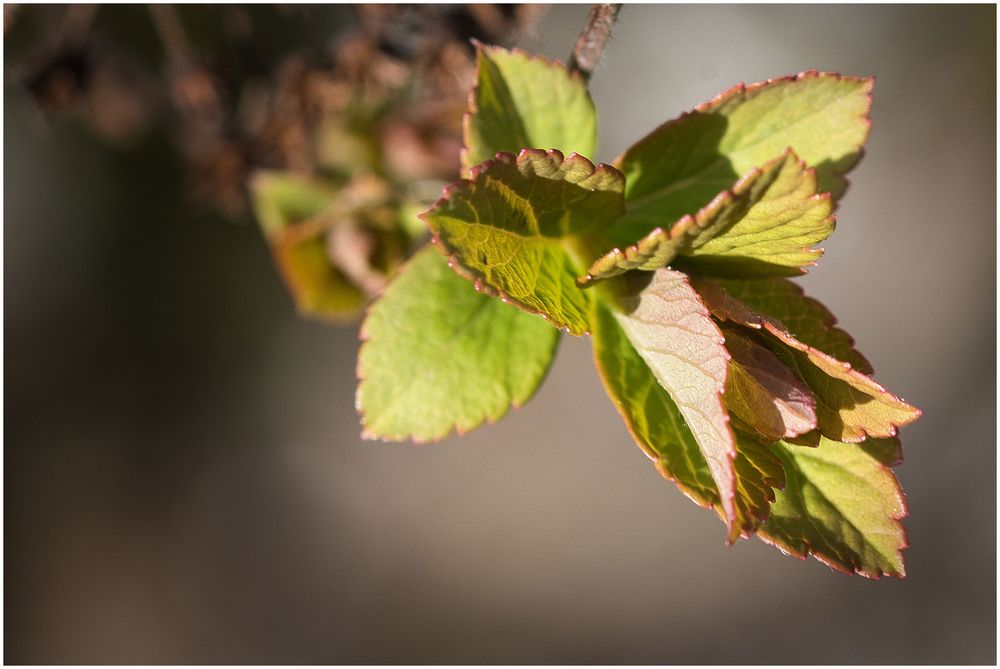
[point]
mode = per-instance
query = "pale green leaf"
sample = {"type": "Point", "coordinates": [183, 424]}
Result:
{"type": "Point", "coordinates": [850, 406]}
{"type": "Point", "coordinates": [682, 164]}
{"type": "Point", "coordinates": [764, 393]}
{"type": "Point", "coordinates": [672, 332]}
{"type": "Point", "coordinates": [842, 505]}
{"type": "Point", "coordinates": [525, 101]}
{"type": "Point", "coordinates": [438, 356]}
{"type": "Point", "coordinates": [512, 229]}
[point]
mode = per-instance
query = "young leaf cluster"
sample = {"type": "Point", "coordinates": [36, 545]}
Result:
{"type": "Point", "coordinates": [675, 260]}
{"type": "Point", "coordinates": [333, 244]}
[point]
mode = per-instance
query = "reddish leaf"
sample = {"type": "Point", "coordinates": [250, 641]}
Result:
{"type": "Point", "coordinates": [851, 406]}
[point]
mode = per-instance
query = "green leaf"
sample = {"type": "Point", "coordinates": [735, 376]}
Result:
{"type": "Point", "coordinates": [673, 333]}
{"type": "Point", "coordinates": [842, 505]}
{"type": "Point", "coordinates": [289, 209]}
{"type": "Point", "coordinates": [525, 101]}
{"type": "Point", "coordinates": [764, 393]}
{"type": "Point", "coordinates": [511, 229]}
{"type": "Point", "coordinates": [850, 405]}
{"type": "Point", "coordinates": [440, 356]}
{"type": "Point", "coordinates": [764, 224]}
{"type": "Point", "coordinates": [678, 167]}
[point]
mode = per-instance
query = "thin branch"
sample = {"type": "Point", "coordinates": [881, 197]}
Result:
{"type": "Point", "coordinates": [171, 33]}
{"type": "Point", "coordinates": [76, 24]}
{"type": "Point", "coordinates": [593, 37]}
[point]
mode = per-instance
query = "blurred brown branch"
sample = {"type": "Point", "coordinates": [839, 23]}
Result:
{"type": "Point", "coordinates": [390, 78]}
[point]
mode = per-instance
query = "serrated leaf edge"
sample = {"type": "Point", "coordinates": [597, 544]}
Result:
{"type": "Point", "coordinates": [897, 520]}
{"type": "Point", "coordinates": [809, 174]}
{"type": "Point", "coordinates": [678, 228]}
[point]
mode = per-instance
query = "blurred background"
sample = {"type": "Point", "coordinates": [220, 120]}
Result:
{"type": "Point", "coordinates": [184, 481]}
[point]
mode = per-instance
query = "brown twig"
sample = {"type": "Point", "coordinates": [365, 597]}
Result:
{"type": "Point", "coordinates": [593, 37]}
{"type": "Point", "coordinates": [76, 25]}
{"type": "Point", "coordinates": [172, 36]}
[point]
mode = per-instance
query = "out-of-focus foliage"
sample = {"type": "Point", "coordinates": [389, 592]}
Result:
{"type": "Point", "coordinates": [370, 113]}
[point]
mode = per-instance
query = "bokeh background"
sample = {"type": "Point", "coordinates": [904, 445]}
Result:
{"type": "Point", "coordinates": [184, 480]}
